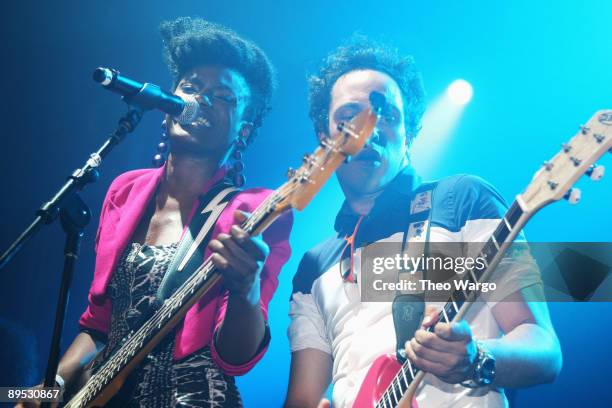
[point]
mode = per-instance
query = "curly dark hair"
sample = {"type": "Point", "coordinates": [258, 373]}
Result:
{"type": "Point", "coordinates": [189, 42]}
{"type": "Point", "coordinates": [360, 52]}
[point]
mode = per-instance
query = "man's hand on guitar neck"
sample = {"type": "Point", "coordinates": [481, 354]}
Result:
{"type": "Point", "coordinates": [527, 354]}
{"type": "Point", "coordinates": [448, 352]}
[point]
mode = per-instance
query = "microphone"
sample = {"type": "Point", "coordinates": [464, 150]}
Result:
{"type": "Point", "coordinates": [148, 96]}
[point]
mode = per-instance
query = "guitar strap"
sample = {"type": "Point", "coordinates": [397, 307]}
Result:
{"type": "Point", "coordinates": [408, 308]}
{"type": "Point", "coordinates": [189, 254]}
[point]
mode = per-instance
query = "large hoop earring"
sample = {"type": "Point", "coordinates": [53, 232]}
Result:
{"type": "Point", "coordinates": [162, 147]}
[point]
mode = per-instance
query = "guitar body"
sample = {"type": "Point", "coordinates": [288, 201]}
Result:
{"type": "Point", "coordinates": [377, 380]}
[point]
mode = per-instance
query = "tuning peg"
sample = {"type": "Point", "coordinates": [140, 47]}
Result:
{"type": "Point", "coordinates": [576, 161]}
{"type": "Point", "coordinates": [573, 195]}
{"type": "Point", "coordinates": [290, 172]}
{"type": "Point", "coordinates": [309, 159]}
{"type": "Point", "coordinates": [596, 172]}
{"type": "Point", "coordinates": [566, 147]}
{"type": "Point", "coordinates": [305, 178]}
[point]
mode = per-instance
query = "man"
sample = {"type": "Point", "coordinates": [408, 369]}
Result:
{"type": "Point", "coordinates": [333, 334]}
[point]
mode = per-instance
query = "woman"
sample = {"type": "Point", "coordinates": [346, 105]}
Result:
{"type": "Point", "coordinates": [146, 212]}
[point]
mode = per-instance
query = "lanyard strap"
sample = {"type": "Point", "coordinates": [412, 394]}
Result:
{"type": "Point", "coordinates": [349, 276]}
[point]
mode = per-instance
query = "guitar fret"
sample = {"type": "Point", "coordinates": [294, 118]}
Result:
{"type": "Point", "coordinates": [453, 302]}
{"type": "Point", "coordinates": [514, 214]}
{"type": "Point", "coordinates": [501, 232]}
{"type": "Point", "coordinates": [507, 223]}
{"type": "Point", "coordinates": [446, 319]}
{"type": "Point", "coordinates": [383, 401]}
{"type": "Point", "coordinates": [390, 402]}
{"type": "Point", "coordinates": [401, 386]}
{"type": "Point", "coordinates": [397, 382]}
{"type": "Point", "coordinates": [412, 374]}
{"type": "Point", "coordinates": [394, 394]}
{"type": "Point", "coordinates": [450, 312]}
{"type": "Point", "coordinates": [494, 240]}
{"type": "Point", "coordinates": [404, 375]}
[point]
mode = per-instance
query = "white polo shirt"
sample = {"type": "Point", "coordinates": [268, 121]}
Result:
{"type": "Point", "coordinates": [327, 313]}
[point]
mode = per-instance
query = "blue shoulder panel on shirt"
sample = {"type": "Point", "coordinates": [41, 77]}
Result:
{"type": "Point", "coordinates": [315, 262]}
{"type": "Point", "coordinates": [461, 198]}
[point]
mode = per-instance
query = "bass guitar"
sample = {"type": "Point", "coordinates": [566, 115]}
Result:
{"type": "Point", "coordinates": [302, 185]}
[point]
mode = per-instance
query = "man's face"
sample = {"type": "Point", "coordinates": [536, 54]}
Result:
{"type": "Point", "coordinates": [382, 159]}
{"type": "Point", "coordinates": [224, 95]}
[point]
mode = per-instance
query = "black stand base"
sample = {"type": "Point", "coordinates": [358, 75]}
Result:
{"type": "Point", "coordinates": [74, 218]}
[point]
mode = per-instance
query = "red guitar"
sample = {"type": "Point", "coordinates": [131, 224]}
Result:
{"type": "Point", "coordinates": [391, 384]}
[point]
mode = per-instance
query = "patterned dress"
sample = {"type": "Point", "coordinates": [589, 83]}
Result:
{"type": "Point", "coordinates": [194, 381]}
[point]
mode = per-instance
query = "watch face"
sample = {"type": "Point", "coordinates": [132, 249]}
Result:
{"type": "Point", "coordinates": [487, 370]}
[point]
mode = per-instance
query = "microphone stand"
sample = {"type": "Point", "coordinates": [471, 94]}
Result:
{"type": "Point", "coordinates": [49, 211]}
{"type": "Point", "coordinates": [74, 215]}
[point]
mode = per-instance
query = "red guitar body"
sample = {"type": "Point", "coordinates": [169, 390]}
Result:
{"type": "Point", "coordinates": [376, 381]}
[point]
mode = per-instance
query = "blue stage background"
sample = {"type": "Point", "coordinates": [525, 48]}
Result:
{"type": "Point", "coordinates": [539, 70]}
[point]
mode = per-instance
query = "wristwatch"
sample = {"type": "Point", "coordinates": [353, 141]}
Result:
{"type": "Point", "coordinates": [484, 368]}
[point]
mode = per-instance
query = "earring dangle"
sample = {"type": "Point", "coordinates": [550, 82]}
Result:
{"type": "Point", "coordinates": [238, 167]}
{"type": "Point", "coordinates": [162, 147]}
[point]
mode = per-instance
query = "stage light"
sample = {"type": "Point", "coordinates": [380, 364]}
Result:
{"type": "Point", "coordinates": [439, 122]}
{"type": "Point", "coordinates": [460, 92]}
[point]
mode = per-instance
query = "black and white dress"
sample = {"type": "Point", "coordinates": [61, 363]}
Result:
{"type": "Point", "coordinates": [195, 380]}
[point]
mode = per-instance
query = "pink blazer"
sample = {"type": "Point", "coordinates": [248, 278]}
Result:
{"type": "Point", "coordinates": [123, 207]}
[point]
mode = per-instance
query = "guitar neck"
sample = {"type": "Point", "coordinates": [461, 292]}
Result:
{"type": "Point", "coordinates": [492, 252]}
{"type": "Point", "coordinates": [166, 317]}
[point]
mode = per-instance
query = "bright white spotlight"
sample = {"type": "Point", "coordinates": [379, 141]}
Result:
{"type": "Point", "coordinates": [460, 92]}
{"type": "Point", "coordinates": [439, 123]}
